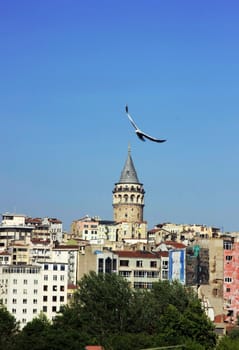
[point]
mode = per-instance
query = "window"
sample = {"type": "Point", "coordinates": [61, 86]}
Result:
{"type": "Point", "coordinates": [54, 288]}
{"type": "Point", "coordinates": [35, 281]}
{"type": "Point", "coordinates": [14, 291]}
{"type": "Point", "coordinates": [124, 262]}
{"type": "Point", "coordinates": [100, 265]}
{"type": "Point", "coordinates": [228, 279]}
{"type": "Point", "coordinates": [45, 277]}
{"type": "Point", "coordinates": [164, 274]}
{"type": "Point", "coordinates": [165, 264]}
{"type": "Point", "coordinates": [62, 298]}
{"type": "Point", "coordinates": [45, 288]}
{"type": "Point", "coordinates": [227, 245]}
{"type": "Point", "coordinates": [24, 281]}
{"type": "Point", "coordinates": [35, 291]}
{"type": "Point", "coordinates": [44, 309]}
{"type": "Point", "coordinates": [54, 277]}
{"type": "Point", "coordinates": [139, 273]}
{"type": "Point", "coordinates": [53, 308]}
{"type": "Point", "coordinates": [44, 297]}
{"type": "Point", "coordinates": [24, 311]}
{"type": "Point", "coordinates": [14, 301]}
{"type": "Point", "coordinates": [228, 290]}
{"type": "Point", "coordinates": [125, 273]}
{"type": "Point", "coordinates": [54, 298]}
{"type": "Point", "coordinates": [46, 267]}
{"type": "Point", "coordinates": [228, 257]}
{"type": "Point", "coordinates": [34, 311]}
{"type": "Point", "coordinates": [14, 311]}
{"type": "Point", "coordinates": [62, 267]}
{"type": "Point", "coordinates": [62, 277]}
{"type": "Point", "coordinates": [14, 281]}
{"type": "Point", "coordinates": [34, 301]}
{"type": "Point", "coordinates": [55, 267]}
{"type": "Point", "coordinates": [24, 291]}
{"type": "Point", "coordinates": [24, 301]}
{"type": "Point", "coordinates": [139, 263]}
{"type": "Point", "coordinates": [62, 288]}
{"type": "Point", "coordinates": [153, 263]}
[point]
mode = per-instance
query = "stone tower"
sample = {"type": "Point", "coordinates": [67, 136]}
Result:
{"type": "Point", "coordinates": [128, 195]}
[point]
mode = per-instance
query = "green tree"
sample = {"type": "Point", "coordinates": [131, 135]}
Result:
{"type": "Point", "coordinates": [227, 343]}
{"type": "Point", "coordinates": [8, 329]}
{"type": "Point", "coordinates": [106, 311]}
{"type": "Point", "coordinates": [104, 302]}
{"type": "Point", "coordinates": [33, 335]}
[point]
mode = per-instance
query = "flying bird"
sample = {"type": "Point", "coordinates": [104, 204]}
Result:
{"type": "Point", "coordinates": [141, 135]}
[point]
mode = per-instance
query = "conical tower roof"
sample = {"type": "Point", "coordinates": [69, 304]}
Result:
{"type": "Point", "coordinates": [128, 174]}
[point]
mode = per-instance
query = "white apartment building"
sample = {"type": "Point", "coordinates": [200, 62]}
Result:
{"type": "Point", "coordinates": [28, 290]}
{"type": "Point", "coordinates": [21, 291]}
{"type": "Point", "coordinates": [55, 228]}
{"type": "Point", "coordinates": [67, 254]}
{"type": "Point", "coordinates": [54, 288]}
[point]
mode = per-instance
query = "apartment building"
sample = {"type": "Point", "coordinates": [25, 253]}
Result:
{"type": "Point", "coordinates": [85, 228]}
{"type": "Point", "coordinates": [46, 228]}
{"type": "Point", "coordinates": [28, 290]}
{"type": "Point", "coordinates": [185, 233]}
{"type": "Point", "coordinates": [67, 254]}
{"type": "Point", "coordinates": [20, 291]}
{"type": "Point", "coordinates": [54, 287]}
{"type": "Point", "coordinates": [231, 279]}
{"type": "Point", "coordinates": [13, 228]}
{"type": "Point", "coordinates": [140, 268]}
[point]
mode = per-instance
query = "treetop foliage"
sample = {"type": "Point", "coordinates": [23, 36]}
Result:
{"type": "Point", "coordinates": [106, 311]}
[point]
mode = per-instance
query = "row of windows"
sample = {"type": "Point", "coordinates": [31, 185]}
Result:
{"type": "Point", "coordinates": [146, 274]}
{"type": "Point", "coordinates": [24, 301]}
{"type": "Point", "coordinates": [24, 281]}
{"type": "Point", "coordinates": [26, 270]}
{"type": "Point", "coordinates": [55, 277]}
{"type": "Point", "coordinates": [139, 263]}
{"type": "Point", "coordinates": [24, 291]}
{"type": "Point", "coordinates": [34, 311]}
{"type": "Point", "coordinates": [55, 267]}
{"type": "Point", "coordinates": [46, 278]}
{"type": "Point", "coordinates": [142, 285]}
{"type": "Point", "coordinates": [24, 311]}
{"type": "Point", "coordinates": [54, 288]}
{"type": "Point", "coordinates": [54, 298]}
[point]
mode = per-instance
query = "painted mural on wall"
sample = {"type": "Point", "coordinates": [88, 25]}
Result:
{"type": "Point", "coordinates": [177, 265]}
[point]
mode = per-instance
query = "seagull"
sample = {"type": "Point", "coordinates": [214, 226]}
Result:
{"type": "Point", "coordinates": [141, 135]}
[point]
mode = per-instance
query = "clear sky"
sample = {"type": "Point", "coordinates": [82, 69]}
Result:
{"type": "Point", "coordinates": [68, 67]}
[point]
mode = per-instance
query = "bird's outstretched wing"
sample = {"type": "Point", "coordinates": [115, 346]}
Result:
{"type": "Point", "coordinates": [130, 118]}
{"type": "Point", "coordinates": [141, 135]}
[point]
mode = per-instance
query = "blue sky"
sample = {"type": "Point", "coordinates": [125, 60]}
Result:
{"type": "Point", "coordinates": [67, 70]}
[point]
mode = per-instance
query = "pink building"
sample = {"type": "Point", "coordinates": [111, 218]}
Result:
{"type": "Point", "coordinates": [231, 279]}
